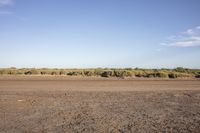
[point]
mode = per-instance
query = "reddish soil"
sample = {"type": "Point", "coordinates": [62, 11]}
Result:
{"type": "Point", "coordinates": [59, 104]}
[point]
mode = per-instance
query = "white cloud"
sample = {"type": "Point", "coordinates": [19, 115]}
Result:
{"type": "Point", "coordinates": [6, 13]}
{"type": "Point", "coordinates": [190, 42]}
{"type": "Point", "coordinates": [6, 2]}
{"type": "Point", "coordinates": [189, 32]}
{"type": "Point", "coordinates": [198, 27]}
{"type": "Point", "coordinates": [189, 38]}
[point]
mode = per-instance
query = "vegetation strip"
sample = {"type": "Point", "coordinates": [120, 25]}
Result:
{"type": "Point", "coordinates": [178, 72]}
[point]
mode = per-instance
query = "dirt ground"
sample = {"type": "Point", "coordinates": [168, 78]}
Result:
{"type": "Point", "coordinates": [59, 105]}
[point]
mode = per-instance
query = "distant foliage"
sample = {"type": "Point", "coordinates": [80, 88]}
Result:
{"type": "Point", "coordinates": [32, 72]}
{"type": "Point", "coordinates": [178, 72]}
{"type": "Point", "coordinates": [107, 73]}
{"type": "Point", "coordinates": [172, 75]}
{"type": "Point", "coordinates": [89, 73]}
{"type": "Point", "coordinates": [140, 73]}
{"type": "Point", "coordinates": [123, 73]}
{"type": "Point", "coordinates": [197, 75]}
{"type": "Point", "coordinates": [62, 72]}
{"type": "Point", "coordinates": [98, 71]}
{"type": "Point", "coordinates": [158, 75]}
{"type": "Point", "coordinates": [181, 69]}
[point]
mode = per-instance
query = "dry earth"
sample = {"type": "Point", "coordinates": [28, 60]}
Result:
{"type": "Point", "coordinates": [57, 105]}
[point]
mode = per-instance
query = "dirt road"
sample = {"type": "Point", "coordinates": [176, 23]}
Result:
{"type": "Point", "coordinates": [58, 105]}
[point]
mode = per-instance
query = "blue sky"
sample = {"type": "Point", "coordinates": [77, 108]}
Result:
{"type": "Point", "coordinates": [100, 33]}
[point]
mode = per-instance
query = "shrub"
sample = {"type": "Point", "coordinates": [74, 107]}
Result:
{"type": "Point", "coordinates": [107, 74]}
{"type": "Point", "coordinates": [43, 73]}
{"type": "Point", "coordinates": [32, 72]}
{"type": "Point", "coordinates": [11, 72]}
{"type": "Point", "coordinates": [122, 73]}
{"type": "Point", "coordinates": [117, 73]}
{"type": "Point", "coordinates": [162, 75]}
{"type": "Point", "coordinates": [172, 75]}
{"type": "Point", "coordinates": [130, 69]}
{"type": "Point", "coordinates": [48, 71]}
{"type": "Point", "coordinates": [151, 75]}
{"type": "Point", "coordinates": [98, 72]}
{"type": "Point", "coordinates": [55, 73]}
{"type": "Point", "coordinates": [19, 73]}
{"type": "Point", "coordinates": [128, 73]}
{"type": "Point", "coordinates": [183, 75]}
{"type": "Point", "coordinates": [197, 76]}
{"type": "Point", "coordinates": [89, 73]}
{"type": "Point", "coordinates": [3, 71]}
{"type": "Point", "coordinates": [157, 75]}
{"type": "Point", "coordinates": [195, 71]}
{"type": "Point", "coordinates": [140, 74]}
{"type": "Point", "coordinates": [28, 73]}
{"type": "Point", "coordinates": [62, 72]}
{"type": "Point", "coordinates": [75, 73]}
{"type": "Point", "coordinates": [181, 69]}
{"type": "Point", "coordinates": [35, 71]}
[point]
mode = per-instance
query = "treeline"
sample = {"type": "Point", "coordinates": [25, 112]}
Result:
{"type": "Point", "coordinates": [107, 72]}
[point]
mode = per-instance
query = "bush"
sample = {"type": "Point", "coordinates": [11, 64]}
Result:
{"type": "Point", "coordinates": [130, 69]}
{"type": "Point", "coordinates": [89, 73]}
{"type": "Point", "coordinates": [117, 73]}
{"type": "Point", "coordinates": [35, 71]}
{"type": "Point", "coordinates": [151, 75]}
{"type": "Point", "coordinates": [122, 73]}
{"type": "Point", "coordinates": [55, 73]}
{"type": "Point", "coordinates": [140, 74]}
{"type": "Point", "coordinates": [181, 69]}
{"type": "Point", "coordinates": [172, 75]}
{"type": "Point", "coordinates": [32, 72]}
{"type": "Point", "coordinates": [28, 73]}
{"type": "Point", "coordinates": [162, 75]}
{"type": "Point", "coordinates": [19, 73]}
{"type": "Point", "coordinates": [12, 72]}
{"type": "Point", "coordinates": [3, 72]}
{"type": "Point", "coordinates": [107, 74]}
{"type": "Point", "coordinates": [75, 73]}
{"type": "Point", "coordinates": [183, 75]}
{"type": "Point", "coordinates": [157, 75]}
{"type": "Point", "coordinates": [128, 73]}
{"type": "Point", "coordinates": [197, 76]}
{"type": "Point", "coordinates": [43, 72]}
{"type": "Point", "coordinates": [98, 72]}
{"type": "Point", "coordinates": [62, 72]}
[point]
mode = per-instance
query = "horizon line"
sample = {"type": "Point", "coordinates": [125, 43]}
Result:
{"type": "Point", "coordinates": [96, 68]}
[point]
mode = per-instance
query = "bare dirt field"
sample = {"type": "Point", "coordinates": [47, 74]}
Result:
{"type": "Point", "coordinates": [57, 105]}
